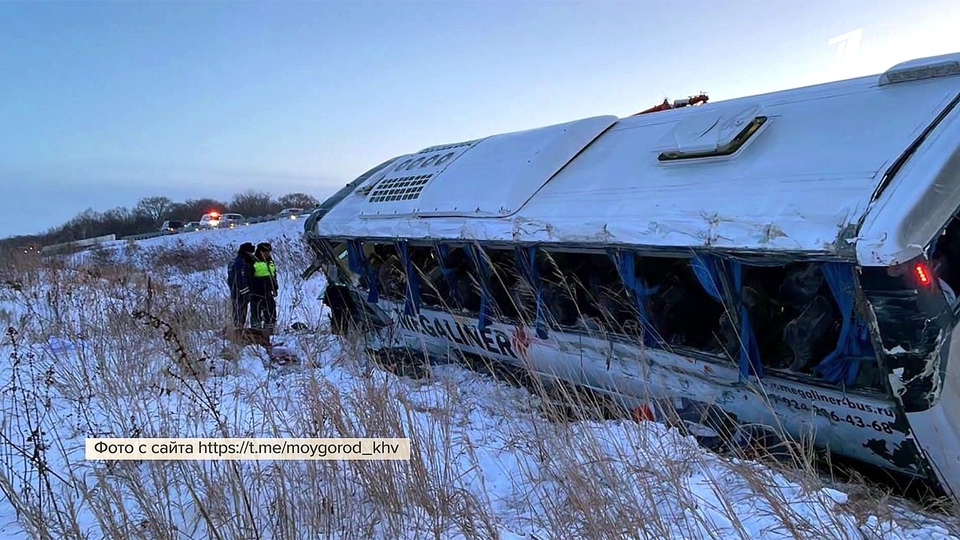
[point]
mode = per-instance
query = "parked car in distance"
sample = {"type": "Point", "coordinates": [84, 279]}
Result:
{"type": "Point", "coordinates": [231, 220]}
{"type": "Point", "coordinates": [171, 227]}
{"type": "Point", "coordinates": [290, 213]}
{"type": "Point", "coordinates": [192, 226]}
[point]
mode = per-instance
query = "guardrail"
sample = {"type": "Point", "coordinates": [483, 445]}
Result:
{"type": "Point", "coordinates": [76, 244]}
{"type": "Point", "coordinates": [142, 236]}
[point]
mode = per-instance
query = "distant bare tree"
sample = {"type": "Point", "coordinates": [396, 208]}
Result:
{"type": "Point", "coordinates": [178, 210]}
{"type": "Point", "coordinates": [252, 203]}
{"type": "Point", "coordinates": [118, 214]}
{"type": "Point", "coordinates": [298, 200]}
{"type": "Point", "coordinates": [156, 208]}
{"type": "Point", "coordinates": [82, 225]}
{"type": "Point", "coordinates": [194, 209]}
{"type": "Point", "coordinates": [122, 222]}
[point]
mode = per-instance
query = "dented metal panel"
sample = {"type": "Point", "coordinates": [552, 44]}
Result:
{"type": "Point", "coordinates": [861, 426]}
{"type": "Point", "coordinates": [868, 423]}
{"type": "Point", "coordinates": [937, 429]}
{"type": "Point", "coordinates": [917, 194]}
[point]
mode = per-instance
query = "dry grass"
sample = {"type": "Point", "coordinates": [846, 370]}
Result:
{"type": "Point", "coordinates": [132, 358]}
{"type": "Point", "coordinates": [180, 257]}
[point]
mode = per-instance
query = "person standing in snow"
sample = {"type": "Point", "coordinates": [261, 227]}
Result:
{"type": "Point", "coordinates": [239, 279]}
{"type": "Point", "coordinates": [263, 289]}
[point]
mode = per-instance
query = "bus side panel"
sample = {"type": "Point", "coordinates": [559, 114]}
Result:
{"type": "Point", "coordinates": [937, 429]}
{"type": "Point", "coordinates": [916, 334]}
{"type": "Point", "coordinates": [856, 426]}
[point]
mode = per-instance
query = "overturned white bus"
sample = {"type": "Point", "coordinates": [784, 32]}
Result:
{"type": "Point", "coordinates": [789, 258]}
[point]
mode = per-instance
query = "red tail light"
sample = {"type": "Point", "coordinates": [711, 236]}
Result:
{"type": "Point", "coordinates": [923, 273]}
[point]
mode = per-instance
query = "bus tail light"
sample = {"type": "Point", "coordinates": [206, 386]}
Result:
{"type": "Point", "coordinates": [922, 272]}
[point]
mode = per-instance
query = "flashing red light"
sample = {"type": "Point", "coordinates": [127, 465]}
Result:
{"type": "Point", "coordinates": [923, 274]}
{"type": "Point", "coordinates": [214, 213]}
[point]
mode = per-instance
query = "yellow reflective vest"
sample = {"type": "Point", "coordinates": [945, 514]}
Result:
{"type": "Point", "coordinates": [262, 269]}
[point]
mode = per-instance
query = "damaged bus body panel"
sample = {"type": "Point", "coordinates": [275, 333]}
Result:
{"type": "Point", "coordinates": [786, 260]}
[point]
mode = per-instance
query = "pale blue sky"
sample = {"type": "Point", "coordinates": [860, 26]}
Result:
{"type": "Point", "coordinates": [104, 103]}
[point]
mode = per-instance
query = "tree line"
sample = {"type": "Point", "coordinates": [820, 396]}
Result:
{"type": "Point", "coordinates": [151, 212]}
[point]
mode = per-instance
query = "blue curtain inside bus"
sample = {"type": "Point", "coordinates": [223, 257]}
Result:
{"type": "Point", "coordinates": [411, 304]}
{"type": "Point", "coordinates": [854, 344]}
{"type": "Point", "coordinates": [749, 351]}
{"type": "Point", "coordinates": [707, 269]}
{"type": "Point", "coordinates": [443, 255]}
{"type": "Point", "coordinates": [359, 264]}
{"type": "Point", "coordinates": [625, 262]}
{"type": "Point", "coordinates": [527, 263]}
{"type": "Point", "coordinates": [708, 274]}
{"type": "Point", "coordinates": [483, 275]}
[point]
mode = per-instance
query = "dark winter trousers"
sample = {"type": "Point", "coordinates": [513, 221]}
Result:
{"type": "Point", "coordinates": [263, 312]}
{"type": "Point", "coordinates": [240, 307]}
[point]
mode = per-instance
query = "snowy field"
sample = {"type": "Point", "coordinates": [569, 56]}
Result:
{"type": "Point", "coordinates": [84, 360]}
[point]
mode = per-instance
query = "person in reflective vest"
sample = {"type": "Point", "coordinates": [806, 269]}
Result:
{"type": "Point", "coordinates": [263, 290]}
{"type": "Point", "coordinates": [239, 276]}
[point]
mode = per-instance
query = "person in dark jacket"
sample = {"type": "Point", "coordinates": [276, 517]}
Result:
{"type": "Point", "coordinates": [263, 290]}
{"type": "Point", "coordinates": [239, 276]}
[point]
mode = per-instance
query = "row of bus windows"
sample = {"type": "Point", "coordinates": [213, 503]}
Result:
{"type": "Point", "coordinates": [795, 318]}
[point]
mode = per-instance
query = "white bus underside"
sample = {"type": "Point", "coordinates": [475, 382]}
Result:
{"type": "Point", "coordinates": [861, 363]}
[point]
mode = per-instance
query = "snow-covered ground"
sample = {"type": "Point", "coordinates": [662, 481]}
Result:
{"type": "Point", "coordinates": [85, 361]}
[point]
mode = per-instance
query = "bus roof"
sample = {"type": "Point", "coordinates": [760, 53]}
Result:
{"type": "Point", "coordinates": [801, 170]}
